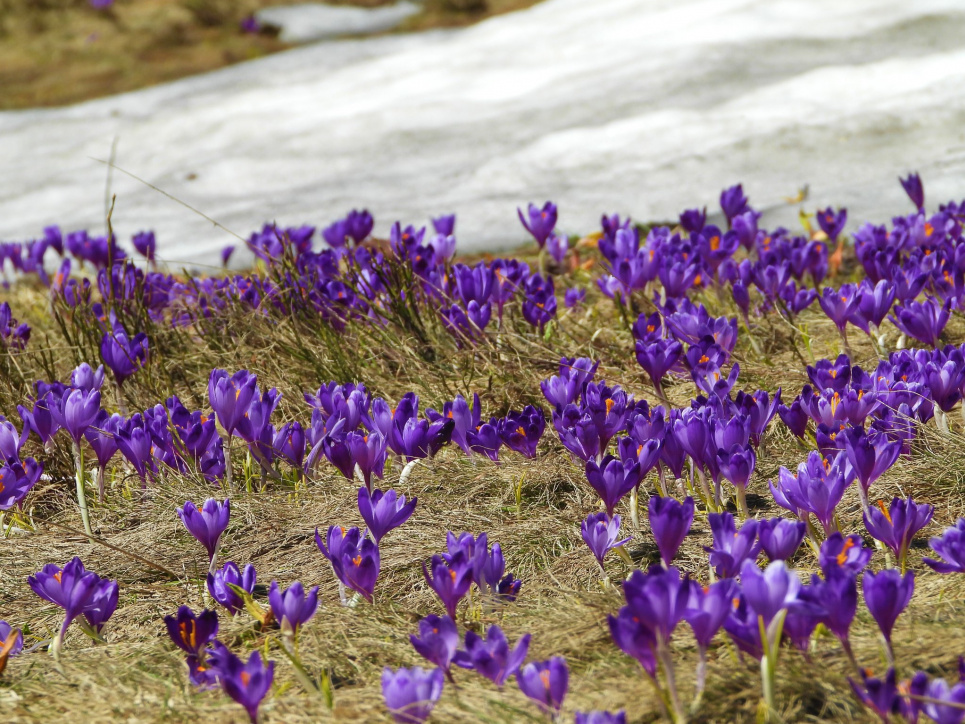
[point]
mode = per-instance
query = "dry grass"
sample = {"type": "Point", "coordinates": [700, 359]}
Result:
{"type": "Point", "coordinates": [140, 677]}
{"type": "Point", "coordinates": [57, 52]}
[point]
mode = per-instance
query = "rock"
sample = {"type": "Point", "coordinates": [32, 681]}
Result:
{"type": "Point", "coordinates": [643, 107]}
{"type": "Point", "coordinates": [307, 22]}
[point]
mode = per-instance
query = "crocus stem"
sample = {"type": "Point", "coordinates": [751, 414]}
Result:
{"type": "Point", "coordinates": [771, 640]}
{"type": "Point", "coordinates": [81, 495]}
{"type": "Point", "coordinates": [661, 697]}
{"type": "Point", "coordinates": [306, 681]}
{"type": "Point", "coordinates": [679, 716]}
{"type": "Point", "coordinates": [845, 347]}
{"type": "Point", "coordinates": [704, 488]}
{"type": "Point", "coordinates": [742, 503]}
{"type": "Point", "coordinates": [701, 677]}
{"type": "Point", "coordinates": [56, 643]}
{"type": "Point", "coordinates": [121, 405]}
{"type": "Point", "coordinates": [407, 471]}
{"type": "Point", "coordinates": [341, 594]}
{"type": "Point", "coordinates": [889, 652]}
{"type": "Point", "coordinates": [214, 557]}
{"type": "Point", "coordinates": [846, 645]}
{"type": "Point", "coordinates": [634, 507]}
{"type": "Point", "coordinates": [100, 484]}
{"type": "Point", "coordinates": [227, 463]}
{"type": "Point", "coordinates": [661, 481]}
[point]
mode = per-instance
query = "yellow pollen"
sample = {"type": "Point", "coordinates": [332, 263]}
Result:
{"type": "Point", "coordinates": [881, 504]}
{"type": "Point", "coordinates": [357, 561]}
{"type": "Point", "coordinates": [57, 576]}
{"type": "Point", "coordinates": [544, 676]}
{"type": "Point", "coordinates": [714, 243]}
{"type": "Point", "coordinates": [704, 358]}
{"type": "Point", "coordinates": [245, 677]}
{"type": "Point", "coordinates": [609, 406]}
{"type": "Point", "coordinates": [843, 555]}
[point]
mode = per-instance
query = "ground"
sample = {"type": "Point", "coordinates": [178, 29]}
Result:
{"type": "Point", "coordinates": [532, 508]}
{"type": "Point", "coordinates": [57, 52]}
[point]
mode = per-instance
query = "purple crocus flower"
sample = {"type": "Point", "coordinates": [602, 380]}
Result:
{"type": "Point", "coordinates": [870, 457]}
{"type": "Point", "coordinates": [445, 224]}
{"type": "Point", "coordinates": [612, 479]}
{"type": "Point", "coordinates": [733, 202]}
{"type": "Point", "coordinates": [886, 594]}
{"type": "Point", "coordinates": [11, 642]}
{"type": "Point", "coordinates": [881, 696]}
{"type": "Point", "coordinates": [355, 559]}
{"type": "Point", "coordinates": [367, 452]}
{"type": "Point", "coordinates": [125, 355]}
{"type": "Point", "coordinates": [246, 683]}
{"type": "Point", "coordinates": [411, 694]}
{"type": "Point", "coordinates": [485, 440]}
{"type": "Point", "coordinates": [145, 244]}
{"type": "Point", "coordinates": [231, 397]}
{"type": "Point", "coordinates": [492, 657]}
{"type": "Point", "coordinates": [634, 639]}
{"type": "Point", "coordinates": [450, 580]}
{"type": "Point", "coordinates": [384, 511]}
{"type": "Point", "coordinates": [77, 411]}
{"type": "Point", "coordinates": [600, 717]}
{"type": "Point", "coordinates": [896, 525]}
{"type": "Point", "coordinates": [437, 642]}
{"type": "Point", "coordinates": [207, 524]}
{"type": "Point", "coordinates": [780, 537]}
{"type": "Point", "coordinates": [545, 682]}
{"type": "Point", "coordinates": [292, 607]}
{"type": "Point", "coordinates": [924, 321]}
{"type": "Point", "coordinates": [659, 598]}
{"type": "Point", "coordinates": [732, 547]}
{"type": "Point", "coordinates": [84, 377]}
{"type": "Point", "coordinates": [190, 632]}
{"type": "Point", "coordinates": [946, 704]}
{"type": "Point", "coordinates": [226, 254]}
{"type": "Point", "coordinates": [289, 444]}
{"type": "Point", "coordinates": [916, 192]}
{"type": "Point", "coordinates": [71, 588]}
{"type": "Point", "coordinates": [831, 222]}
{"type": "Point", "coordinates": [16, 480]}
{"type": "Point", "coordinates": [574, 296]}
{"type": "Point", "coordinates": [600, 534]}
{"type": "Point", "coordinates": [951, 547]}
{"type": "Point", "coordinates": [708, 608]}
{"type": "Point", "coordinates": [795, 417]}
{"type": "Point", "coordinates": [657, 359]}
{"type": "Point", "coordinates": [816, 488]}
{"type": "Point", "coordinates": [874, 301]}
{"type": "Point", "coordinates": [670, 521]}
{"type": "Point", "coordinates": [539, 302]}
{"type": "Point", "coordinates": [521, 431]}
{"type": "Point", "coordinates": [840, 553]}
{"type": "Point", "coordinates": [770, 591]}
{"type": "Point", "coordinates": [220, 590]}
{"type": "Point", "coordinates": [539, 222]}
{"type": "Point", "coordinates": [102, 604]}
{"type": "Point", "coordinates": [837, 598]}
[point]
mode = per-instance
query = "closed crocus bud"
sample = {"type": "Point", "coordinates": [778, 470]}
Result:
{"type": "Point", "coordinates": [77, 412]}
{"type": "Point", "coordinates": [670, 521]}
{"type": "Point", "coordinates": [886, 594]}
{"type": "Point", "coordinates": [450, 581]}
{"type": "Point", "coordinates": [206, 524]}
{"type": "Point", "coordinates": [545, 682]}
{"type": "Point", "coordinates": [780, 537]}
{"type": "Point", "coordinates": [915, 190]}
{"type": "Point", "coordinates": [220, 590]}
{"type": "Point", "coordinates": [411, 694]}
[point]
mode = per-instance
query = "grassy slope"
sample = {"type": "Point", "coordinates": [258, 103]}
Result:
{"type": "Point", "coordinates": [139, 677]}
{"type": "Point", "coordinates": [56, 52]}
